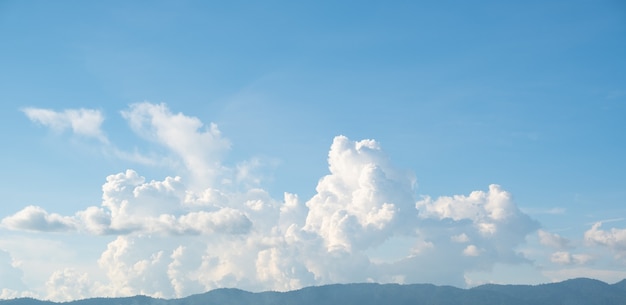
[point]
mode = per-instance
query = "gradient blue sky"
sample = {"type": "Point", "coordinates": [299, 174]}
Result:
{"type": "Point", "coordinates": [460, 95]}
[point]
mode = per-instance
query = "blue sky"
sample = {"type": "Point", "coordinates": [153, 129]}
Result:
{"type": "Point", "coordinates": [249, 100]}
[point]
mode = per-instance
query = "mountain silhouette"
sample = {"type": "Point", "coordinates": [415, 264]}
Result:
{"type": "Point", "coordinates": [581, 291]}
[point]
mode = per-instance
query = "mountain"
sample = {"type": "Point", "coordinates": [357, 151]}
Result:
{"type": "Point", "coordinates": [571, 292]}
{"type": "Point", "coordinates": [580, 291]}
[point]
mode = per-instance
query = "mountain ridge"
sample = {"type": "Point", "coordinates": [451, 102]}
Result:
{"type": "Point", "coordinates": [571, 292]}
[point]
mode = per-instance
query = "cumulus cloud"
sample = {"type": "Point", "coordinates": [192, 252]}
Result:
{"type": "Point", "coordinates": [181, 269]}
{"type": "Point", "coordinates": [135, 266]}
{"type": "Point", "coordinates": [130, 204]}
{"type": "Point", "coordinates": [84, 122]}
{"type": "Point", "coordinates": [363, 200]}
{"type": "Point", "coordinates": [614, 239]}
{"type": "Point", "coordinates": [34, 218]}
{"type": "Point", "coordinates": [225, 220]}
{"type": "Point", "coordinates": [491, 217]}
{"type": "Point", "coordinates": [486, 208]}
{"type": "Point", "coordinates": [281, 268]}
{"type": "Point", "coordinates": [68, 284]}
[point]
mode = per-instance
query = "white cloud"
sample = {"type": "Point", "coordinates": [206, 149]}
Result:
{"type": "Point", "coordinates": [84, 122]}
{"type": "Point", "coordinates": [552, 240]}
{"type": "Point", "coordinates": [181, 271]}
{"type": "Point", "coordinates": [135, 266]}
{"type": "Point", "coordinates": [614, 239]}
{"type": "Point", "coordinates": [484, 207]}
{"type": "Point", "coordinates": [68, 284]}
{"type": "Point", "coordinates": [281, 269]}
{"type": "Point", "coordinates": [34, 218]}
{"type": "Point", "coordinates": [489, 216]}
{"type": "Point", "coordinates": [130, 204]}
{"type": "Point", "coordinates": [363, 200]}
{"type": "Point", "coordinates": [226, 220]}
{"type": "Point", "coordinates": [88, 123]}
{"type": "Point", "coordinates": [246, 172]}
{"type": "Point", "coordinates": [566, 258]}
{"type": "Point", "coordinates": [97, 221]}
{"type": "Point", "coordinates": [199, 147]}
{"type": "Point", "coordinates": [471, 250]}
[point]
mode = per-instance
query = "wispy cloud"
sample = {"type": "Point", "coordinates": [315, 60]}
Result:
{"type": "Point", "coordinates": [84, 122]}
{"type": "Point", "coordinates": [199, 147]}
{"type": "Point", "coordinates": [540, 211]}
{"type": "Point", "coordinates": [567, 258]}
{"type": "Point", "coordinates": [609, 220]}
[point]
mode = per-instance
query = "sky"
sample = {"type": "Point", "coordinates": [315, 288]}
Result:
{"type": "Point", "coordinates": [168, 148]}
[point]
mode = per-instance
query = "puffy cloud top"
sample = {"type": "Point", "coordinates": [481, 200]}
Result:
{"type": "Point", "coordinates": [490, 212]}
{"type": "Point", "coordinates": [362, 201]}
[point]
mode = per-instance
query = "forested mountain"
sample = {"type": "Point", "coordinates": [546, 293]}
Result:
{"type": "Point", "coordinates": [571, 292]}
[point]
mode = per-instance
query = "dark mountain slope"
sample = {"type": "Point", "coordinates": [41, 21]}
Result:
{"type": "Point", "coordinates": [26, 301]}
{"type": "Point", "coordinates": [572, 292]}
{"type": "Point", "coordinates": [621, 285]}
{"type": "Point", "coordinates": [228, 296]}
{"type": "Point", "coordinates": [136, 300]}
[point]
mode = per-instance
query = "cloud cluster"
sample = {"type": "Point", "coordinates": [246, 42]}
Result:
{"type": "Point", "coordinates": [132, 205]}
{"type": "Point", "coordinates": [68, 284]}
{"type": "Point", "coordinates": [180, 236]}
{"type": "Point", "coordinates": [560, 244]}
{"type": "Point", "coordinates": [489, 223]}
